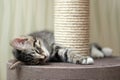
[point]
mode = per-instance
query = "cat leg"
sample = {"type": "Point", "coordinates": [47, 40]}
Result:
{"type": "Point", "coordinates": [78, 58]}
{"type": "Point", "coordinates": [99, 52]}
{"type": "Point", "coordinates": [71, 56]}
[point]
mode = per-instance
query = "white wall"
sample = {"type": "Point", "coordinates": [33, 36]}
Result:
{"type": "Point", "coordinates": [19, 17]}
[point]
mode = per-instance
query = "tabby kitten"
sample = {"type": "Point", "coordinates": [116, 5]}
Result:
{"type": "Point", "coordinates": [39, 48]}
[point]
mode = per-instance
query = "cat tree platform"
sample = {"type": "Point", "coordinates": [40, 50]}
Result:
{"type": "Point", "coordinates": [103, 69]}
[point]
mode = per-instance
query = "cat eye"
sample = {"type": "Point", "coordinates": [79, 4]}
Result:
{"type": "Point", "coordinates": [36, 51]}
{"type": "Point", "coordinates": [34, 42]}
{"type": "Point", "coordinates": [37, 44]}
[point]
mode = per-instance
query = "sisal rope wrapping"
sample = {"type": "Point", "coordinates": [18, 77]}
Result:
{"type": "Point", "coordinates": [71, 21]}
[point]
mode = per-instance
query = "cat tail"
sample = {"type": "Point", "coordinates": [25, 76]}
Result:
{"type": "Point", "coordinates": [100, 52]}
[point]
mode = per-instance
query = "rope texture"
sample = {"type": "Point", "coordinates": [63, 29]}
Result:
{"type": "Point", "coordinates": [72, 24]}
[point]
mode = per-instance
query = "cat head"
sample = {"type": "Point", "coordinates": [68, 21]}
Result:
{"type": "Point", "coordinates": [29, 49]}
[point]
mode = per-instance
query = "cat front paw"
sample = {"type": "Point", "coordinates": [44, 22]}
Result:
{"type": "Point", "coordinates": [78, 58]}
{"type": "Point", "coordinates": [85, 60]}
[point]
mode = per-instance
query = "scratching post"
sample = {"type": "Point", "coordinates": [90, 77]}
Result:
{"type": "Point", "coordinates": [72, 24]}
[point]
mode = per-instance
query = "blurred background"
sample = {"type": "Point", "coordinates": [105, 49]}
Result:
{"type": "Point", "coordinates": [20, 17]}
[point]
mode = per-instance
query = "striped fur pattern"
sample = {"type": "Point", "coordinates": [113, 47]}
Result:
{"type": "Point", "coordinates": [39, 48]}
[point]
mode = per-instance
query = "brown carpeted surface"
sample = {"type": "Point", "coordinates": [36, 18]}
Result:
{"type": "Point", "coordinates": [103, 69]}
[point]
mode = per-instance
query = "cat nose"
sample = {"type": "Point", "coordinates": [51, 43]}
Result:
{"type": "Point", "coordinates": [42, 56]}
{"type": "Point", "coordinates": [38, 56]}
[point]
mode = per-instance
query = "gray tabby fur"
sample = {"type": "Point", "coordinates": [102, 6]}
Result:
{"type": "Point", "coordinates": [50, 52]}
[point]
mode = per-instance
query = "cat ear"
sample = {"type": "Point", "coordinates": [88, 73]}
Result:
{"type": "Point", "coordinates": [20, 43]}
